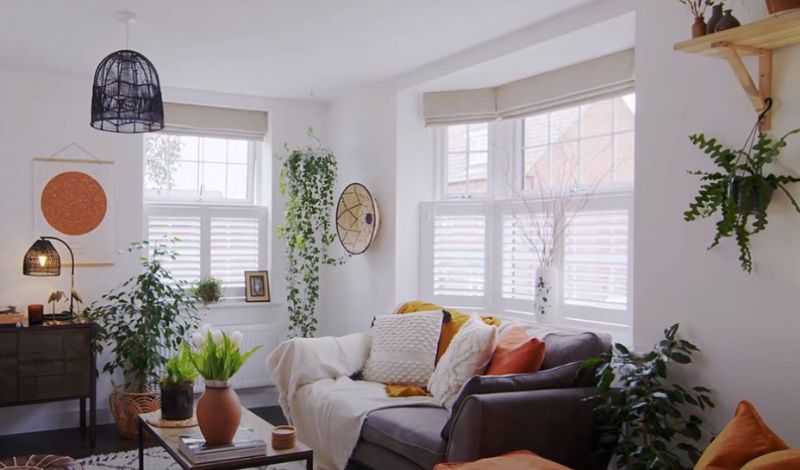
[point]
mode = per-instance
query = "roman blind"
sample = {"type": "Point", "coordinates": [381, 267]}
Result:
{"type": "Point", "coordinates": [210, 121]}
{"type": "Point", "coordinates": [567, 86]}
{"type": "Point", "coordinates": [186, 266]}
{"type": "Point", "coordinates": [234, 247]}
{"type": "Point", "coordinates": [596, 259]}
{"type": "Point", "coordinates": [459, 255]}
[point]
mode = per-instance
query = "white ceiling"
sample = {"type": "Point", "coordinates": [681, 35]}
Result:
{"type": "Point", "coordinates": [277, 48]}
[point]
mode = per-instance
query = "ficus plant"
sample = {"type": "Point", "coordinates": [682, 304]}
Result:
{"type": "Point", "coordinates": [307, 179]}
{"type": "Point", "coordinates": [645, 420]}
{"type": "Point", "coordinates": [740, 190]}
{"type": "Point", "coordinates": [143, 319]}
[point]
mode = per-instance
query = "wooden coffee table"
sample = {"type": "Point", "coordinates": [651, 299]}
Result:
{"type": "Point", "coordinates": [169, 438]}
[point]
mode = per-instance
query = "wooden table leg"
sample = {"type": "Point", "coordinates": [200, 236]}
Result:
{"type": "Point", "coordinates": [310, 462]}
{"type": "Point", "coordinates": [83, 415]}
{"type": "Point", "coordinates": [141, 443]}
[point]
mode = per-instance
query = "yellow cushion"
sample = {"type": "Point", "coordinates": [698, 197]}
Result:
{"type": "Point", "coordinates": [744, 438]}
{"type": "Point", "coordinates": [781, 460]}
{"type": "Point", "coordinates": [450, 327]}
{"type": "Point", "coordinates": [400, 390]}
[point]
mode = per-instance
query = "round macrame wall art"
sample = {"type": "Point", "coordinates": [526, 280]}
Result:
{"type": "Point", "coordinates": [357, 218]}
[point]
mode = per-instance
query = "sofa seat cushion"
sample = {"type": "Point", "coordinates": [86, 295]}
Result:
{"type": "Point", "coordinates": [413, 432]}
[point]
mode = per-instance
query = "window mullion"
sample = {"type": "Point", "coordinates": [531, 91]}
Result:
{"type": "Point", "coordinates": [205, 242]}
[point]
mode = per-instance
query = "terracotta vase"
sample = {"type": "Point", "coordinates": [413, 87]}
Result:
{"type": "Point", "coordinates": [219, 412]}
{"type": "Point", "coordinates": [698, 27]}
{"type": "Point", "coordinates": [727, 21]}
{"type": "Point", "coordinates": [777, 6]}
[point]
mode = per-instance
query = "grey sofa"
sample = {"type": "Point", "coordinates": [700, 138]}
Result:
{"type": "Point", "coordinates": [548, 412]}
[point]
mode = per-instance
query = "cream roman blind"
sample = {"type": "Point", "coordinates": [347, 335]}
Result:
{"type": "Point", "coordinates": [212, 121]}
{"type": "Point", "coordinates": [567, 86]}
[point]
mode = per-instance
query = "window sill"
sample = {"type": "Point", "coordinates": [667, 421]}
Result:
{"type": "Point", "coordinates": [238, 303]}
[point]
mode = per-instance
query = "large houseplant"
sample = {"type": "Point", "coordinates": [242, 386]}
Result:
{"type": "Point", "coordinates": [142, 320]}
{"type": "Point", "coordinates": [217, 358]}
{"type": "Point", "coordinates": [740, 190]}
{"type": "Point", "coordinates": [307, 179]}
{"type": "Point", "coordinates": [642, 420]}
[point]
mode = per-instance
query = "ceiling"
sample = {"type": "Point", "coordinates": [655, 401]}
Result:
{"type": "Point", "coordinates": [275, 48]}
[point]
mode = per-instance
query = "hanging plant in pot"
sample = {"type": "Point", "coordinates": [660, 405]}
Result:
{"type": "Point", "coordinates": [177, 386]}
{"type": "Point", "coordinates": [217, 358]}
{"type": "Point", "coordinates": [307, 179]}
{"type": "Point", "coordinates": [148, 315]}
{"type": "Point", "coordinates": [740, 190]}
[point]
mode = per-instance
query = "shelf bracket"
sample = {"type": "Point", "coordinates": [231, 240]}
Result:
{"type": "Point", "coordinates": [758, 94]}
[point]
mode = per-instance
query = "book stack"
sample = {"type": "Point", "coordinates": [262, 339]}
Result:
{"type": "Point", "coordinates": [245, 444]}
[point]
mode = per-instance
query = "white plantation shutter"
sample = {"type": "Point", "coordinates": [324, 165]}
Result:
{"type": "Point", "coordinates": [188, 229]}
{"type": "Point", "coordinates": [596, 259]}
{"type": "Point", "coordinates": [519, 259]}
{"type": "Point", "coordinates": [234, 247]}
{"type": "Point", "coordinates": [459, 255]}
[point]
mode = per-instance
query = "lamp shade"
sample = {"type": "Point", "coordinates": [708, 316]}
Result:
{"type": "Point", "coordinates": [126, 96]}
{"type": "Point", "coordinates": [41, 260]}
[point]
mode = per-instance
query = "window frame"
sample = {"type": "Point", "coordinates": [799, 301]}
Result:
{"type": "Point", "coordinates": [441, 165]}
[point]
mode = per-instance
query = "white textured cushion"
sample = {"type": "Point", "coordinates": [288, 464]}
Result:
{"type": "Point", "coordinates": [404, 348]}
{"type": "Point", "coordinates": [468, 355]}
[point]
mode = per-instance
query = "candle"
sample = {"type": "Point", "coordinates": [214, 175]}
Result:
{"type": "Point", "coordinates": [35, 314]}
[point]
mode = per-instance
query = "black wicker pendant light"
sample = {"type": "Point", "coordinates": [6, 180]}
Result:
{"type": "Point", "coordinates": [126, 96]}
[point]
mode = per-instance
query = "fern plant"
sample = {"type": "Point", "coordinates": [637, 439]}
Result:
{"type": "Point", "coordinates": [739, 190]}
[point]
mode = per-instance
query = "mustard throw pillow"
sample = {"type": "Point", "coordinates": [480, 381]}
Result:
{"type": "Point", "coordinates": [744, 438]}
{"type": "Point", "coordinates": [780, 460]}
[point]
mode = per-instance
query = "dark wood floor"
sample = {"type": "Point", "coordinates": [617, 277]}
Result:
{"type": "Point", "coordinates": [70, 441]}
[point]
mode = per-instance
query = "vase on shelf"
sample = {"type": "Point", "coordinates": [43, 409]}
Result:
{"type": "Point", "coordinates": [777, 6]}
{"type": "Point", "coordinates": [727, 21]}
{"type": "Point", "coordinates": [219, 412]}
{"type": "Point", "coordinates": [546, 294]}
{"type": "Point", "coordinates": [698, 27]}
{"type": "Point", "coordinates": [716, 15]}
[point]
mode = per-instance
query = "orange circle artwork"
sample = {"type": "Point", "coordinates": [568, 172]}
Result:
{"type": "Point", "coordinates": [74, 203]}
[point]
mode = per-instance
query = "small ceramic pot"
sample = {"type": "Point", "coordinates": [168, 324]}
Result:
{"type": "Point", "coordinates": [716, 15]}
{"type": "Point", "coordinates": [727, 21]}
{"type": "Point", "coordinates": [177, 403]}
{"type": "Point", "coordinates": [219, 412]}
{"type": "Point", "coordinates": [698, 27]}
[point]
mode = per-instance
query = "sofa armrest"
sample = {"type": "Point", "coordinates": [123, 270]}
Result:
{"type": "Point", "coordinates": [556, 424]}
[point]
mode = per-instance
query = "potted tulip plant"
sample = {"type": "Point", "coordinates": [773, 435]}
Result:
{"type": "Point", "coordinates": [217, 358]}
{"type": "Point", "coordinates": [177, 386]}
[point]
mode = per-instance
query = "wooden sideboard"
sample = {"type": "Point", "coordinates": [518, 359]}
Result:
{"type": "Point", "coordinates": [50, 363]}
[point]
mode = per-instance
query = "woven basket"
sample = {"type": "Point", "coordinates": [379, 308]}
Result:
{"type": "Point", "coordinates": [126, 408]}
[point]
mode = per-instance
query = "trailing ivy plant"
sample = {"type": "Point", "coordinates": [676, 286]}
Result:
{"type": "Point", "coordinates": [641, 419]}
{"type": "Point", "coordinates": [307, 179]}
{"type": "Point", "coordinates": [739, 190]}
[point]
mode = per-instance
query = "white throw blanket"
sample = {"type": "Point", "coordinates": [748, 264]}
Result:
{"type": "Point", "coordinates": [318, 397]}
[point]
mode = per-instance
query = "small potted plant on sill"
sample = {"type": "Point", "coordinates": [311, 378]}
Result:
{"type": "Point", "coordinates": [208, 290]}
{"type": "Point", "coordinates": [217, 358]}
{"type": "Point", "coordinates": [740, 190]}
{"type": "Point", "coordinates": [146, 316]}
{"type": "Point", "coordinates": [177, 386]}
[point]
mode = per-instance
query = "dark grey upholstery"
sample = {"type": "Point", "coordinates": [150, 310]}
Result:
{"type": "Point", "coordinates": [563, 348]}
{"type": "Point", "coordinates": [413, 432]}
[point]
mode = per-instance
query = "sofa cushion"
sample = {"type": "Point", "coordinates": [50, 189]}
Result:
{"type": "Point", "coordinates": [516, 353]}
{"type": "Point", "coordinates": [403, 348]}
{"type": "Point", "coordinates": [563, 348]}
{"type": "Point", "coordinates": [517, 460]}
{"type": "Point", "coordinates": [558, 377]}
{"type": "Point", "coordinates": [413, 432]}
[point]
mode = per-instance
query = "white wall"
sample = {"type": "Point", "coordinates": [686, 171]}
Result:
{"type": "Point", "coordinates": [362, 136]}
{"type": "Point", "coordinates": [746, 325]}
{"type": "Point", "coordinates": [39, 114]}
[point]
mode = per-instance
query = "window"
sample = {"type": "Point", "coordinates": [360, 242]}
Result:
{"type": "Point", "coordinates": [201, 190]}
{"type": "Point", "coordinates": [481, 254]}
{"type": "Point", "coordinates": [467, 162]}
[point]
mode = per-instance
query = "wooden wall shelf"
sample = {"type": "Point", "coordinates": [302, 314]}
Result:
{"type": "Point", "coordinates": [759, 38]}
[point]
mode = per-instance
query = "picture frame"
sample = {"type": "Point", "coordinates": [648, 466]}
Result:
{"type": "Point", "coordinates": [256, 286]}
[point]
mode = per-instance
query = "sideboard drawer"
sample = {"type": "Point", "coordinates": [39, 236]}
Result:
{"type": "Point", "coordinates": [8, 367]}
{"type": "Point", "coordinates": [54, 364]}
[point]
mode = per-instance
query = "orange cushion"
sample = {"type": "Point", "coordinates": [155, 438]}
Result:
{"type": "Point", "coordinates": [517, 460]}
{"type": "Point", "coordinates": [744, 438]}
{"type": "Point", "coordinates": [516, 353]}
{"type": "Point", "coordinates": [780, 460]}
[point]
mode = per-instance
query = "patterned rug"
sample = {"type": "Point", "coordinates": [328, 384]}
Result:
{"type": "Point", "coordinates": [155, 458]}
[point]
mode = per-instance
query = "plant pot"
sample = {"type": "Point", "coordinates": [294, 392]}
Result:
{"type": "Point", "coordinates": [177, 402]}
{"type": "Point", "coordinates": [546, 291]}
{"type": "Point", "coordinates": [698, 27]}
{"type": "Point", "coordinates": [126, 408]}
{"type": "Point", "coordinates": [728, 21]}
{"type": "Point", "coordinates": [743, 198]}
{"type": "Point", "coordinates": [208, 297]}
{"type": "Point", "coordinates": [777, 6]}
{"type": "Point", "coordinates": [219, 412]}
